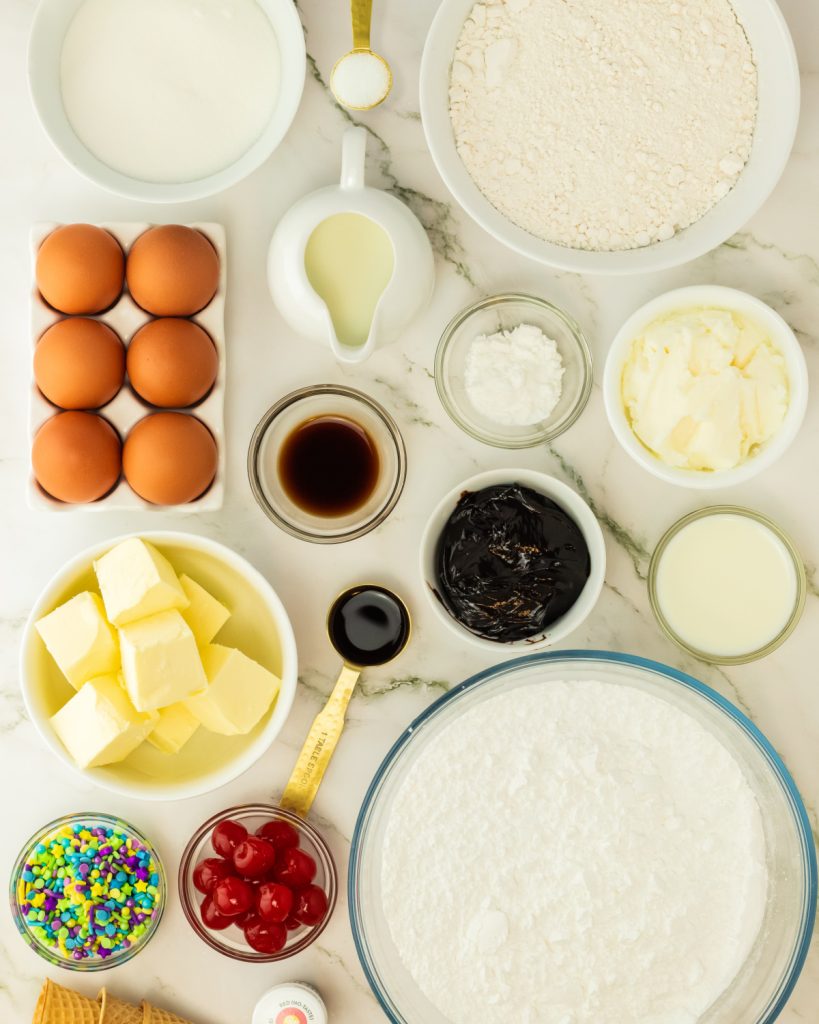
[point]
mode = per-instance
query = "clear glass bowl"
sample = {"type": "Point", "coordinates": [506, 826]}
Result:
{"type": "Point", "coordinates": [799, 569]}
{"type": "Point", "coordinates": [231, 942]}
{"type": "Point", "coordinates": [53, 955]}
{"type": "Point", "coordinates": [505, 312]}
{"type": "Point", "coordinates": [759, 993]}
{"type": "Point", "coordinates": [276, 426]}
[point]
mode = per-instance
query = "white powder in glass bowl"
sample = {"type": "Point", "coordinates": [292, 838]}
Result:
{"type": "Point", "coordinates": [603, 124]}
{"type": "Point", "coordinates": [514, 378]}
{"type": "Point", "coordinates": [574, 853]}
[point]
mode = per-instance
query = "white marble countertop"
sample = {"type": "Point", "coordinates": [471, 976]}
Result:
{"type": "Point", "coordinates": [775, 257]}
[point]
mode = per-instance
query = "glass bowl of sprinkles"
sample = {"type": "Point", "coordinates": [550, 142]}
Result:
{"type": "Point", "coordinates": [87, 892]}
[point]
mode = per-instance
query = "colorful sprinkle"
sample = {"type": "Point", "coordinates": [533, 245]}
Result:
{"type": "Point", "coordinates": [89, 892]}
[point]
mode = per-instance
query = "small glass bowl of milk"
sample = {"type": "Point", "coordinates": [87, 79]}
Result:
{"type": "Point", "coordinates": [727, 585]}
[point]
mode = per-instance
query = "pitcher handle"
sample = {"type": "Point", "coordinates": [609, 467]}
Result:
{"type": "Point", "coordinates": [353, 158]}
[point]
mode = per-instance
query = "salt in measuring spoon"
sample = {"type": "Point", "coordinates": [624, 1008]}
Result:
{"type": "Point", "coordinates": [368, 626]}
{"type": "Point", "coordinates": [361, 79]}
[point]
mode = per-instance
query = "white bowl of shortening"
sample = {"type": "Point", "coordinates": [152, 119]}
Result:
{"type": "Point", "coordinates": [166, 100]}
{"type": "Point", "coordinates": [580, 109]}
{"type": "Point", "coordinates": [707, 297]}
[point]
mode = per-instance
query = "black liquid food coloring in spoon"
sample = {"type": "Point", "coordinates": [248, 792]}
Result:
{"type": "Point", "coordinates": [368, 626]}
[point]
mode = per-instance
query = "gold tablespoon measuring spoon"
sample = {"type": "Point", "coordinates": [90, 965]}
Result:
{"type": "Point", "coordinates": [368, 626]}
{"type": "Point", "coordinates": [361, 79]}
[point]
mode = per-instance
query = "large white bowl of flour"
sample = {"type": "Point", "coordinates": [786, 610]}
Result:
{"type": "Point", "coordinates": [166, 100]}
{"type": "Point", "coordinates": [610, 138]}
{"type": "Point", "coordinates": [582, 837]}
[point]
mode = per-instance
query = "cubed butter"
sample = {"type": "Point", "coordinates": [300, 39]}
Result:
{"type": "Point", "coordinates": [99, 725]}
{"type": "Point", "coordinates": [80, 640]}
{"type": "Point", "coordinates": [137, 581]}
{"type": "Point", "coordinates": [160, 661]}
{"type": "Point", "coordinates": [239, 691]}
{"type": "Point", "coordinates": [176, 725]}
{"type": "Point", "coordinates": [204, 614]}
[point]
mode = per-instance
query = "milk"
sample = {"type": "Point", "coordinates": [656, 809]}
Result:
{"type": "Point", "coordinates": [726, 585]}
{"type": "Point", "coordinates": [349, 262]}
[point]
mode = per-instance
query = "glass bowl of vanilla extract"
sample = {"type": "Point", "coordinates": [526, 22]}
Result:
{"type": "Point", "coordinates": [327, 464]}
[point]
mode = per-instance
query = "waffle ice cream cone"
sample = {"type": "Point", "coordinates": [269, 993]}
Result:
{"type": "Point", "coordinates": [57, 1005]}
{"type": "Point", "coordinates": [153, 1015]}
{"type": "Point", "coordinates": [115, 1011]}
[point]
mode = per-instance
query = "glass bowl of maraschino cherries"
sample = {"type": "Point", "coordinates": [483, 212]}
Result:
{"type": "Point", "coordinates": [257, 883]}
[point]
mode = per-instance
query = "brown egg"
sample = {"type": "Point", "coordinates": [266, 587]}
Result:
{"type": "Point", "coordinates": [76, 457]}
{"type": "Point", "coordinates": [172, 363]}
{"type": "Point", "coordinates": [79, 364]}
{"type": "Point", "coordinates": [80, 269]}
{"type": "Point", "coordinates": [169, 458]}
{"type": "Point", "coordinates": [172, 271]}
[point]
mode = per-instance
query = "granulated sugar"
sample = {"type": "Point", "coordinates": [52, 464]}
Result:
{"type": "Point", "coordinates": [574, 853]}
{"type": "Point", "coordinates": [604, 124]}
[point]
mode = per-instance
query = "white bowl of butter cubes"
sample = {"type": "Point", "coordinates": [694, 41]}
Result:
{"type": "Point", "coordinates": [160, 666]}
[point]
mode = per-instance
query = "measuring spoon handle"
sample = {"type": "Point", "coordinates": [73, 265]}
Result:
{"type": "Point", "coordinates": [321, 742]}
{"type": "Point", "coordinates": [362, 14]}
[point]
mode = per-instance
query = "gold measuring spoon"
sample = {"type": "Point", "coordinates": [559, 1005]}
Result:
{"type": "Point", "coordinates": [368, 626]}
{"type": "Point", "coordinates": [361, 79]}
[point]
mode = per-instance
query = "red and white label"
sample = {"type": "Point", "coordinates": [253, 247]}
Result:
{"type": "Point", "coordinates": [291, 1015]}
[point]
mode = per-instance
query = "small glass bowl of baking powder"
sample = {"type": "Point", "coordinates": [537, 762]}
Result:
{"type": "Point", "coordinates": [502, 315]}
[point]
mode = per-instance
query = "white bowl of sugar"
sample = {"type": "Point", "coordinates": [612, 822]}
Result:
{"type": "Point", "coordinates": [603, 138]}
{"type": "Point", "coordinates": [166, 101]}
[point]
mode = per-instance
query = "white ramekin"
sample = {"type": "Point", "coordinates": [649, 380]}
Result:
{"type": "Point", "coordinates": [48, 30]}
{"type": "Point", "coordinates": [37, 684]}
{"type": "Point", "coordinates": [570, 502]}
{"type": "Point", "coordinates": [722, 298]}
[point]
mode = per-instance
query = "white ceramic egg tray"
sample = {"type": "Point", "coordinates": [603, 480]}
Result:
{"type": "Point", "coordinates": [125, 318]}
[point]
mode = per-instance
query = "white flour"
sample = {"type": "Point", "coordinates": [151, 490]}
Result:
{"type": "Point", "coordinates": [574, 853]}
{"type": "Point", "coordinates": [514, 377]}
{"type": "Point", "coordinates": [604, 124]}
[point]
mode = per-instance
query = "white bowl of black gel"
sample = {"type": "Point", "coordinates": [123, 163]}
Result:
{"type": "Point", "coordinates": [513, 559]}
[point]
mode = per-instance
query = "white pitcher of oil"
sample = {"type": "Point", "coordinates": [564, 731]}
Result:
{"type": "Point", "coordinates": [350, 265]}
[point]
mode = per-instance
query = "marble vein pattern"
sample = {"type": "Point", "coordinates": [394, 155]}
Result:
{"type": "Point", "coordinates": [775, 257]}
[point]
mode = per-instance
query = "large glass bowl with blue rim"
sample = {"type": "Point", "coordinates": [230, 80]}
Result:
{"type": "Point", "coordinates": [759, 992]}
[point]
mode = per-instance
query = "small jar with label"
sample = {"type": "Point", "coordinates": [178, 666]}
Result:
{"type": "Point", "coordinates": [292, 1003]}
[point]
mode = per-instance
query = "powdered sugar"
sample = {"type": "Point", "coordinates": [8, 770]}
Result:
{"type": "Point", "coordinates": [599, 124]}
{"type": "Point", "coordinates": [514, 377]}
{"type": "Point", "coordinates": [574, 853]}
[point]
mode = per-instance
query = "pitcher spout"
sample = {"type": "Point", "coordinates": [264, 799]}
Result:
{"type": "Point", "coordinates": [348, 353]}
